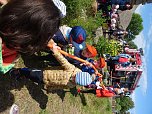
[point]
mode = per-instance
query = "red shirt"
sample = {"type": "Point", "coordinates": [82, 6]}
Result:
{"type": "Point", "coordinates": [104, 93]}
{"type": "Point", "coordinates": [8, 55]}
{"type": "Point", "coordinates": [123, 60]}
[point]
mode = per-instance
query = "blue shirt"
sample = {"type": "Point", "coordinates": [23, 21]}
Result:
{"type": "Point", "coordinates": [59, 38]}
{"type": "Point", "coordinates": [85, 68]}
{"type": "Point", "coordinates": [62, 36]}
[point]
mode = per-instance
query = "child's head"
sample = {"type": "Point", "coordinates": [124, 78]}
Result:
{"type": "Point", "coordinates": [27, 25]}
{"type": "Point", "coordinates": [113, 26]}
{"type": "Point", "coordinates": [128, 6]}
{"type": "Point", "coordinates": [113, 21]}
{"type": "Point", "coordinates": [78, 37]}
{"type": "Point", "coordinates": [89, 51]}
{"type": "Point", "coordinates": [100, 63]}
{"type": "Point", "coordinates": [115, 6]}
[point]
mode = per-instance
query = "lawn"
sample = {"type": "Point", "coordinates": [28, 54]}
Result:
{"type": "Point", "coordinates": [33, 99]}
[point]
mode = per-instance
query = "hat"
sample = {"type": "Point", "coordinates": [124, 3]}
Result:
{"type": "Point", "coordinates": [83, 78]}
{"type": "Point", "coordinates": [78, 37]}
{"type": "Point", "coordinates": [61, 6]}
{"type": "Point", "coordinates": [92, 50]}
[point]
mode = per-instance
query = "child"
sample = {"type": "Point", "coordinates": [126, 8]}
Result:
{"type": "Point", "coordinates": [88, 52]}
{"type": "Point", "coordinates": [75, 36]}
{"type": "Point", "coordinates": [100, 92]}
{"type": "Point", "coordinates": [100, 63]}
{"type": "Point", "coordinates": [111, 92]}
{"type": "Point", "coordinates": [26, 26]}
{"type": "Point", "coordinates": [106, 92]}
{"type": "Point", "coordinates": [65, 76]}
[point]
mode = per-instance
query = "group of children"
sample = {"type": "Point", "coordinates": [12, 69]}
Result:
{"type": "Point", "coordinates": [29, 28]}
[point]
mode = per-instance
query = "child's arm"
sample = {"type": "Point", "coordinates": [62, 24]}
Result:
{"type": "Point", "coordinates": [61, 59]}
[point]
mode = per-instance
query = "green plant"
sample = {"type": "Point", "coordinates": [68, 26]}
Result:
{"type": "Point", "coordinates": [79, 14]}
{"type": "Point", "coordinates": [111, 47]}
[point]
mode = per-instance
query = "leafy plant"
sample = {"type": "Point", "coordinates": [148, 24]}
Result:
{"type": "Point", "coordinates": [111, 47]}
{"type": "Point", "coordinates": [79, 14]}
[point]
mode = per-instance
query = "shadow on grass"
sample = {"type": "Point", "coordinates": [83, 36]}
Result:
{"type": "Point", "coordinates": [83, 99]}
{"type": "Point", "coordinates": [59, 92]}
{"type": "Point", "coordinates": [74, 92]}
{"type": "Point", "coordinates": [37, 94]}
{"type": "Point", "coordinates": [7, 98]}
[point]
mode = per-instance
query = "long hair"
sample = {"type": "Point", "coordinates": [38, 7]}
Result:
{"type": "Point", "coordinates": [27, 25]}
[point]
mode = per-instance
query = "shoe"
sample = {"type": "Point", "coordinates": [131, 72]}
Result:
{"type": "Point", "coordinates": [14, 109]}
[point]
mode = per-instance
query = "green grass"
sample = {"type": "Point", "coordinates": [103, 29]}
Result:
{"type": "Point", "coordinates": [33, 99]}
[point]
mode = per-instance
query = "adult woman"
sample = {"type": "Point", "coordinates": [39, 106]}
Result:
{"type": "Point", "coordinates": [26, 26]}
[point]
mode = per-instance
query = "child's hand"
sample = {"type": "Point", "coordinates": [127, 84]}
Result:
{"type": "Point", "coordinates": [86, 64]}
{"type": "Point", "coordinates": [3, 2]}
{"type": "Point", "coordinates": [55, 48]}
{"type": "Point", "coordinates": [96, 72]}
{"type": "Point", "coordinates": [70, 45]}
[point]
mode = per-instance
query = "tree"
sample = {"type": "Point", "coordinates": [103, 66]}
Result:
{"type": "Point", "coordinates": [126, 104]}
{"type": "Point", "coordinates": [118, 107]}
{"type": "Point", "coordinates": [132, 45]}
{"type": "Point", "coordinates": [135, 26]}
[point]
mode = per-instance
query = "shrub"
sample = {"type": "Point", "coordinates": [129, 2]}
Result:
{"type": "Point", "coordinates": [79, 14]}
{"type": "Point", "coordinates": [111, 47]}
